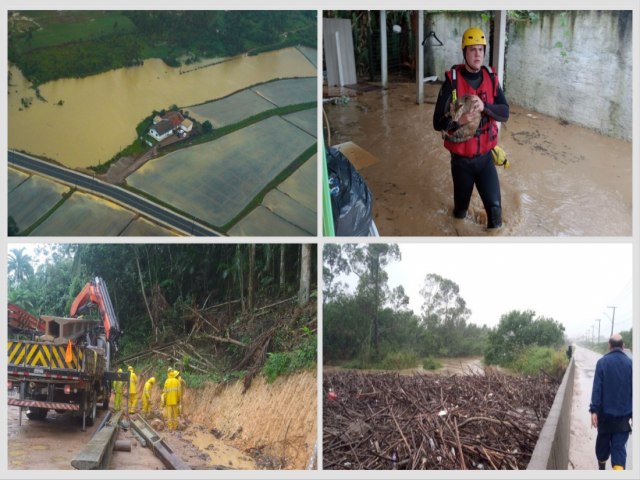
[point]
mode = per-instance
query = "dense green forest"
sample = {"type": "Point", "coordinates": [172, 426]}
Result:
{"type": "Point", "coordinates": [48, 45]}
{"type": "Point", "coordinates": [225, 301]}
{"type": "Point", "coordinates": [371, 326]}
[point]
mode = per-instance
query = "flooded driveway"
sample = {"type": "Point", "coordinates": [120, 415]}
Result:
{"type": "Point", "coordinates": [564, 180]}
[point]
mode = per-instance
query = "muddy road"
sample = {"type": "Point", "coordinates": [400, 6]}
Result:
{"type": "Point", "coordinates": [564, 180]}
{"type": "Point", "coordinates": [52, 444]}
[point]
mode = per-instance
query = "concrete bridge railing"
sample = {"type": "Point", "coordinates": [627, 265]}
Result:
{"type": "Point", "coordinates": [552, 449]}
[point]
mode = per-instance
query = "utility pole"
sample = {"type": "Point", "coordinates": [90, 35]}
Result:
{"type": "Point", "coordinates": [612, 319]}
{"type": "Point", "coordinates": [593, 333]}
{"type": "Point", "coordinates": [598, 320]}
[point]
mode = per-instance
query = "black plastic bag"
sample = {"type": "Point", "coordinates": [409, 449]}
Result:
{"type": "Point", "coordinates": [351, 199]}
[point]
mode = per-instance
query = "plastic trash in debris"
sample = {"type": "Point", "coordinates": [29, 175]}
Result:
{"type": "Point", "coordinates": [394, 460]}
{"type": "Point", "coordinates": [332, 396]}
{"type": "Point", "coordinates": [343, 100]}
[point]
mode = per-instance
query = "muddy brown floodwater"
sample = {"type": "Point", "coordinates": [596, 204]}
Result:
{"type": "Point", "coordinates": [564, 180]}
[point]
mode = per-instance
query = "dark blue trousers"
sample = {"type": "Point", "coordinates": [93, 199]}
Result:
{"type": "Point", "coordinates": [614, 445]}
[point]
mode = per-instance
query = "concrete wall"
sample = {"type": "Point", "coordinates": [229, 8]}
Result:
{"type": "Point", "coordinates": [449, 27]}
{"type": "Point", "coordinates": [573, 65]}
{"type": "Point", "coordinates": [552, 448]}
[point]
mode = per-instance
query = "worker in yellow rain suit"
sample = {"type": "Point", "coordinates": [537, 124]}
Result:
{"type": "Point", "coordinates": [133, 390]}
{"type": "Point", "coordinates": [171, 400]}
{"type": "Point", "coordinates": [181, 389]}
{"type": "Point", "coordinates": [118, 386]}
{"type": "Point", "coordinates": [146, 395]}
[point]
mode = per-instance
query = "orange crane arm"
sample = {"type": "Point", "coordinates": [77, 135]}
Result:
{"type": "Point", "coordinates": [95, 294]}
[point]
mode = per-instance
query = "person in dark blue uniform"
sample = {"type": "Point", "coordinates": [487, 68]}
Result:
{"type": "Point", "coordinates": [611, 404]}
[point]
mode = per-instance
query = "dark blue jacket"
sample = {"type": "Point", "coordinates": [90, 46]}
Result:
{"type": "Point", "coordinates": [612, 387]}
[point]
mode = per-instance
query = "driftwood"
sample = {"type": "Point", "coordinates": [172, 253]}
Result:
{"type": "Point", "coordinates": [475, 421]}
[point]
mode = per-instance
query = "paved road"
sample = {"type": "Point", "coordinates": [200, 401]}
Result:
{"type": "Point", "coordinates": [112, 192]}
{"type": "Point", "coordinates": [583, 438]}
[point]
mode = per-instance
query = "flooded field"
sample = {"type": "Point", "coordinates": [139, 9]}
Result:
{"type": "Point", "coordinates": [231, 109]}
{"type": "Point", "coordinates": [84, 214]}
{"type": "Point", "coordinates": [290, 209]}
{"type": "Point", "coordinates": [216, 180]}
{"type": "Point", "coordinates": [289, 91]}
{"type": "Point", "coordinates": [564, 180]}
{"type": "Point", "coordinates": [31, 197]}
{"type": "Point", "coordinates": [307, 120]}
{"type": "Point", "coordinates": [87, 121]}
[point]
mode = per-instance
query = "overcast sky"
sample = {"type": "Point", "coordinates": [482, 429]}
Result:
{"type": "Point", "coordinates": [571, 283]}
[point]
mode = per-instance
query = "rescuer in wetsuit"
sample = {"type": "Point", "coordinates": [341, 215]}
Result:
{"type": "Point", "coordinates": [471, 159]}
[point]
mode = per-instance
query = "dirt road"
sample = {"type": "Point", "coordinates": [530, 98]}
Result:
{"type": "Point", "coordinates": [583, 437]}
{"type": "Point", "coordinates": [564, 180]}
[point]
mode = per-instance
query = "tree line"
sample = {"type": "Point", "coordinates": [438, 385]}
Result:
{"type": "Point", "coordinates": [175, 36]}
{"type": "Point", "coordinates": [371, 325]}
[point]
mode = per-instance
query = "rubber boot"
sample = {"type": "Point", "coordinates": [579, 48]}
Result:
{"type": "Point", "coordinates": [618, 467]}
{"type": "Point", "coordinates": [494, 217]}
{"type": "Point", "coordinates": [602, 465]}
{"type": "Point", "coordinates": [460, 213]}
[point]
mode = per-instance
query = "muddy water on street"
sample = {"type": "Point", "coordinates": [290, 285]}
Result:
{"type": "Point", "coordinates": [99, 114]}
{"type": "Point", "coordinates": [564, 180]}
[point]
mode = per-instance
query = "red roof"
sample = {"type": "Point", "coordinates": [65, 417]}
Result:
{"type": "Point", "coordinates": [175, 118]}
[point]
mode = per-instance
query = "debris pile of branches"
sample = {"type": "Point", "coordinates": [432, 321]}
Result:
{"type": "Point", "coordinates": [459, 422]}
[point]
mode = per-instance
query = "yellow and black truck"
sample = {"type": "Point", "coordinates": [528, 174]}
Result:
{"type": "Point", "coordinates": [67, 366]}
{"type": "Point", "coordinates": [57, 373]}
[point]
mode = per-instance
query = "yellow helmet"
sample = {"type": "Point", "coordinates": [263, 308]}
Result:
{"type": "Point", "coordinates": [473, 36]}
{"type": "Point", "coordinates": [119, 370]}
{"type": "Point", "coordinates": [170, 369]}
{"type": "Point", "coordinates": [130, 368]}
{"type": "Point", "coordinates": [152, 380]}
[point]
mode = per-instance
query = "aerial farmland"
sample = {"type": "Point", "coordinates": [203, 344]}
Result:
{"type": "Point", "coordinates": [246, 123]}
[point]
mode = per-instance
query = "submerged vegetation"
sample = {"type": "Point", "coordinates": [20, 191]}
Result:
{"type": "Point", "coordinates": [49, 45]}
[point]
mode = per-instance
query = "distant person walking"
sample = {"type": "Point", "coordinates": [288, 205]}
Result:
{"type": "Point", "coordinates": [611, 405]}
